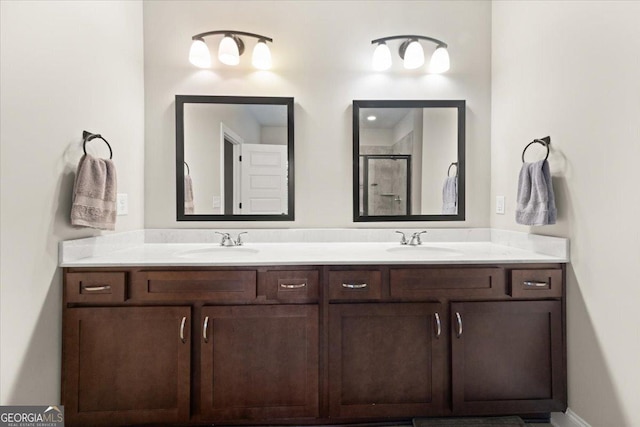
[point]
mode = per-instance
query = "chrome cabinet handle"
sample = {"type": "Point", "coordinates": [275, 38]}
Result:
{"type": "Point", "coordinates": [96, 288]}
{"type": "Point", "coordinates": [535, 284]}
{"type": "Point", "coordinates": [354, 285]}
{"type": "Point", "coordinates": [292, 286]}
{"type": "Point", "coordinates": [184, 321]}
{"type": "Point", "coordinates": [438, 325]}
{"type": "Point", "coordinates": [204, 329]}
{"type": "Point", "coordinates": [459, 320]}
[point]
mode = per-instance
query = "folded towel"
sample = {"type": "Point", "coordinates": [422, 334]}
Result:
{"type": "Point", "coordinates": [536, 202]}
{"type": "Point", "coordinates": [94, 194]}
{"type": "Point", "coordinates": [450, 196]}
{"type": "Point", "coordinates": [188, 195]}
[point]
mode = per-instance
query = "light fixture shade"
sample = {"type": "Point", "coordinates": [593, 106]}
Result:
{"type": "Point", "coordinates": [199, 54]}
{"type": "Point", "coordinates": [381, 57]}
{"type": "Point", "coordinates": [261, 57]}
{"type": "Point", "coordinates": [439, 60]}
{"type": "Point", "coordinates": [228, 52]}
{"type": "Point", "coordinates": [413, 55]}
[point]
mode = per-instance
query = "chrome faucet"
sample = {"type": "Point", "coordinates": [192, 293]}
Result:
{"type": "Point", "coordinates": [415, 238]}
{"type": "Point", "coordinates": [227, 240]}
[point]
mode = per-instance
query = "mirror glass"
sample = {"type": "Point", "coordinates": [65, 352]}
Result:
{"type": "Point", "coordinates": [408, 160]}
{"type": "Point", "coordinates": [234, 158]}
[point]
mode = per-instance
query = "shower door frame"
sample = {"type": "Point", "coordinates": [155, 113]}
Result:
{"type": "Point", "coordinates": [365, 179]}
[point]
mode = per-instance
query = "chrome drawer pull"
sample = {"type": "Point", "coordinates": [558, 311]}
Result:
{"type": "Point", "coordinates": [96, 288]}
{"type": "Point", "coordinates": [294, 286]}
{"type": "Point", "coordinates": [535, 284]}
{"type": "Point", "coordinates": [204, 329]}
{"type": "Point", "coordinates": [184, 321]}
{"type": "Point", "coordinates": [354, 285]}
{"type": "Point", "coordinates": [459, 320]}
{"type": "Point", "coordinates": [438, 325]}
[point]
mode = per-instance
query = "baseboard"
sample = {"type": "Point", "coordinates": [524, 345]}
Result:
{"type": "Point", "coordinates": [568, 419]}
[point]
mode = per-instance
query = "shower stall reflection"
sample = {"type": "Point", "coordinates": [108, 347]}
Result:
{"type": "Point", "coordinates": [386, 188]}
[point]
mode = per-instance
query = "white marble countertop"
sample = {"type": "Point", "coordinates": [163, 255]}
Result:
{"type": "Point", "coordinates": [157, 248]}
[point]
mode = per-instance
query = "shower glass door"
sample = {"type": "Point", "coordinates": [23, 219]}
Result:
{"type": "Point", "coordinates": [386, 186]}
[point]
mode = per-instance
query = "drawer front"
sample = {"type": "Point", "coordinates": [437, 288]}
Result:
{"type": "Point", "coordinates": [95, 287]}
{"type": "Point", "coordinates": [413, 284]}
{"type": "Point", "coordinates": [536, 283]}
{"type": "Point", "coordinates": [293, 286]}
{"type": "Point", "coordinates": [355, 285]}
{"type": "Point", "coordinates": [224, 286]}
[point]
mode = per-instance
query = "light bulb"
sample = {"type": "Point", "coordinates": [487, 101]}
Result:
{"type": "Point", "coordinates": [199, 54]}
{"type": "Point", "coordinates": [439, 60]}
{"type": "Point", "coordinates": [261, 57]}
{"type": "Point", "coordinates": [381, 57]}
{"type": "Point", "coordinates": [413, 55]}
{"type": "Point", "coordinates": [228, 52]}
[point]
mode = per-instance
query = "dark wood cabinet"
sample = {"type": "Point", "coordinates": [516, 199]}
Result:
{"type": "Point", "coordinates": [385, 360]}
{"type": "Point", "coordinates": [507, 357]}
{"type": "Point", "coordinates": [294, 345]}
{"type": "Point", "coordinates": [259, 362]}
{"type": "Point", "coordinates": [126, 365]}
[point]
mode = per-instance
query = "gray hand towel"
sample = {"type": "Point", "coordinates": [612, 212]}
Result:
{"type": "Point", "coordinates": [450, 196]}
{"type": "Point", "coordinates": [94, 194]}
{"type": "Point", "coordinates": [536, 202]}
{"type": "Point", "coordinates": [188, 195]}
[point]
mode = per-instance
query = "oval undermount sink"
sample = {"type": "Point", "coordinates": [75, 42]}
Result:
{"type": "Point", "coordinates": [218, 251]}
{"type": "Point", "coordinates": [426, 250]}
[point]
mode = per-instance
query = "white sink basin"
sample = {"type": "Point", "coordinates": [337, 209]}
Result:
{"type": "Point", "coordinates": [218, 252]}
{"type": "Point", "coordinates": [426, 250]}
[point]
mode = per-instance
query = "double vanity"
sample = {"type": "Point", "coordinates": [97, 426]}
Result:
{"type": "Point", "coordinates": [167, 327]}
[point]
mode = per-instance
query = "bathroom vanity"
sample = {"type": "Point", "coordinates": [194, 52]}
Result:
{"type": "Point", "coordinates": [209, 337]}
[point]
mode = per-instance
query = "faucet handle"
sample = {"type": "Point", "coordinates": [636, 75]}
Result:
{"type": "Point", "coordinates": [403, 240]}
{"type": "Point", "coordinates": [415, 237]}
{"type": "Point", "coordinates": [239, 239]}
{"type": "Point", "coordinates": [226, 237]}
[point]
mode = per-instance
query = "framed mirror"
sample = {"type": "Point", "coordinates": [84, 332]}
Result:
{"type": "Point", "coordinates": [408, 160]}
{"type": "Point", "coordinates": [234, 158]}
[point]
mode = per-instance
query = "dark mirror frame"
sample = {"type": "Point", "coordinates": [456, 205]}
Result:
{"type": "Point", "coordinates": [205, 99]}
{"type": "Point", "coordinates": [460, 105]}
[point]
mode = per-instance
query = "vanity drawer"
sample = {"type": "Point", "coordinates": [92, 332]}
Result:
{"type": "Point", "coordinates": [414, 284]}
{"type": "Point", "coordinates": [223, 286]}
{"type": "Point", "coordinates": [355, 285]}
{"type": "Point", "coordinates": [95, 287]}
{"type": "Point", "coordinates": [295, 286]}
{"type": "Point", "coordinates": [536, 283]}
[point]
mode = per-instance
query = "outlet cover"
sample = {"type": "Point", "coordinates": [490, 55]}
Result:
{"type": "Point", "coordinates": [123, 204]}
{"type": "Point", "coordinates": [500, 205]}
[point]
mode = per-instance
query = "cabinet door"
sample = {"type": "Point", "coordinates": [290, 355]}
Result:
{"type": "Point", "coordinates": [259, 362]}
{"type": "Point", "coordinates": [126, 365]}
{"type": "Point", "coordinates": [507, 357]}
{"type": "Point", "coordinates": [385, 360]}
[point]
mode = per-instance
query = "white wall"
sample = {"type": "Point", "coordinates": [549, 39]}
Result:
{"type": "Point", "coordinates": [440, 149]}
{"type": "Point", "coordinates": [571, 70]}
{"type": "Point", "coordinates": [322, 57]}
{"type": "Point", "coordinates": [65, 67]}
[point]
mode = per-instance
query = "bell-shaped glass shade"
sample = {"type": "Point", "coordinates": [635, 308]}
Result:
{"type": "Point", "coordinates": [439, 60]}
{"type": "Point", "coordinates": [413, 55]}
{"type": "Point", "coordinates": [261, 57]}
{"type": "Point", "coordinates": [228, 52]}
{"type": "Point", "coordinates": [199, 54]}
{"type": "Point", "coordinates": [381, 57]}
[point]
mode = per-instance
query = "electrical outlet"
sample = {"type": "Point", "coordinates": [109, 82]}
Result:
{"type": "Point", "coordinates": [123, 204]}
{"type": "Point", "coordinates": [500, 205]}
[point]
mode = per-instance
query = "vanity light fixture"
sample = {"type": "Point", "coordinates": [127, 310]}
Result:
{"type": "Point", "coordinates": [230, 49]}
{"type": "Point", "coordinates": [411, 52]}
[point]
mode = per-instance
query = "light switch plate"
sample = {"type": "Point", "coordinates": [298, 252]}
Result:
{"type": "Point", "coordinates": [123, 204]}
{"type": "Point", "coordinates": [500, 205]}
